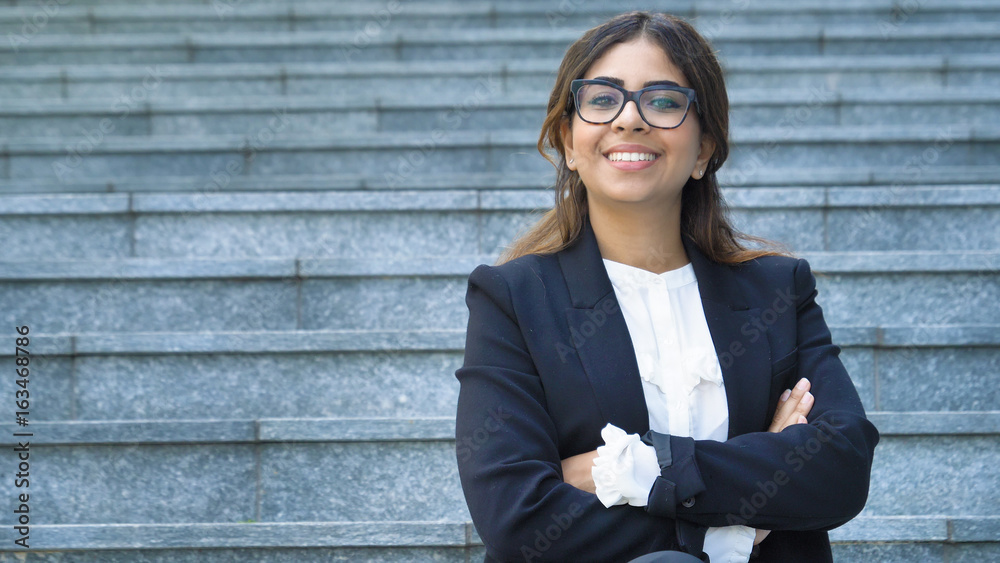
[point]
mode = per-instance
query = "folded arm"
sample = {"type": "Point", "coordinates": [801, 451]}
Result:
{"type": "Point", "coordinates": [811, 476]}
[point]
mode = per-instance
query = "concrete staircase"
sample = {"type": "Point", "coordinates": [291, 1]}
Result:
{"type": "Point", "coordinates": [240, 233]}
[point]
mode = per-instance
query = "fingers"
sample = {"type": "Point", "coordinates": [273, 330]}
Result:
{"type": "Point", "coordinates": [789, 401]}
{"type": "Point", "coordinates": [798, 416]}
{"type": "Point", "coordinates": [793, 407]}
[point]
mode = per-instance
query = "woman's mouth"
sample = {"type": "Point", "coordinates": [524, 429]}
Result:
{"type": "Point", "coordinates": [629, 156]}
{"type": "Point", "coordinates": [631, 160]}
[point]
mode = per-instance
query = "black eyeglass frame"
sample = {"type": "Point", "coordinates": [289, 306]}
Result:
{"type": "Point", "coordinates": [689, 93]}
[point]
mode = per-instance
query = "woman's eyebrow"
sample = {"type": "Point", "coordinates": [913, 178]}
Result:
{"type": "Point", "coordinates": [621, 82]}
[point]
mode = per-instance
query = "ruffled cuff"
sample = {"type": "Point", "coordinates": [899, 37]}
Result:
{"type": "Point", "coordinates": [625, 469]}
{"type": "Point", "coordinates": [729, 544]}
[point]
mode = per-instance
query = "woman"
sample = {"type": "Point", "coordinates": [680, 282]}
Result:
{"type": "Point", "coordinates": [626, 360]}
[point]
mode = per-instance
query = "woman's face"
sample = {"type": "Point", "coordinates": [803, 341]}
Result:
{"type": "Point", "coordinates": [680, 153]}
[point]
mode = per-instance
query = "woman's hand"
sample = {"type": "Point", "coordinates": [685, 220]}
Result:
{"type": "Point", "coordinates": [793, 407]}
{"type": "Point", "coordinates": [576, 471]}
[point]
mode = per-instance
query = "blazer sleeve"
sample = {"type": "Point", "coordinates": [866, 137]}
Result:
{"type": "Point", "coordinates": [508, 457]}
{"type": "Point", "coordinates": [811, 476]}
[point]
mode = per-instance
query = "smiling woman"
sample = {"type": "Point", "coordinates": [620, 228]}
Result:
{"type": "Point", "coordinates": [659, 378]}
{"type": "Point", "coordinates": [685, 68]}
{"type": "Point", "coordinates": [667, 151]}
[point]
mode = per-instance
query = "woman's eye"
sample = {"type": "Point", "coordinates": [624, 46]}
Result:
{"type": "Point", "coordinates": [663, 103]}
{"type": "Point", "coordinates": [603, 101]}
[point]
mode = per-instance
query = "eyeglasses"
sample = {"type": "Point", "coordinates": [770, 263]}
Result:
{"type": "Point", "coordinates": [662, 106]}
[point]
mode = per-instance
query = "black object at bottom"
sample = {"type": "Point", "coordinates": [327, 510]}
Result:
{"type": "Point", "coordinates": [667, 557]}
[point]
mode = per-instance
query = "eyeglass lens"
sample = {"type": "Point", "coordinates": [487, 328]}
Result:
{"type": "Point", "coordinates": [660, 108]}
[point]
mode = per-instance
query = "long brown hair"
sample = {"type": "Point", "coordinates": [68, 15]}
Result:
{"type": "Point", "coordinates": [704, 212]}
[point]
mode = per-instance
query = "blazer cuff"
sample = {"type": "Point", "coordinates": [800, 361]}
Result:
{"type": "Point", "coordinates": [679, 481]}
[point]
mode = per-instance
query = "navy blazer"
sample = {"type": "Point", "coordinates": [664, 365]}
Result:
{"type": "Point", "coordinates": [549, 362]}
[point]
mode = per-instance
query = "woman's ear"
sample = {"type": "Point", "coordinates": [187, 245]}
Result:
{"type": "Point", "coordinates": [704, 155]}
{"type": "Point", "coordinates": [566, 135]}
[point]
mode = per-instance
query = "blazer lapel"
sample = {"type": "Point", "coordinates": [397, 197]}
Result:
{"type": "Point", "coordinates": [742, 349]}
{"type": "Point", "coordinates": [600, 335]}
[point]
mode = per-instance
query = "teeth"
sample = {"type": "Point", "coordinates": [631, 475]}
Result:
{"type": "Point", "coordinates": [630, 156]}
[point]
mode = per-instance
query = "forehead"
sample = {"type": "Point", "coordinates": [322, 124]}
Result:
{"type": "Point", "coordinates": [636, 62]}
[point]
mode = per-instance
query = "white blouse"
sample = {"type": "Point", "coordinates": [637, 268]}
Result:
{"type": "Point", "coordinates": [683, 388]}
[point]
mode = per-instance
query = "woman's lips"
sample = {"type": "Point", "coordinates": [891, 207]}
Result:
{"type": "Point", "coordinates": [628, 164]}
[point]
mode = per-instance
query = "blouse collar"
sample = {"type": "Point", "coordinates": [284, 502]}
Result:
{"type": "Point", "coordinates": [624, 276]}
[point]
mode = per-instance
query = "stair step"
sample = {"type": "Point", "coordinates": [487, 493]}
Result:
{"type": "Point", "coordinates": [897, 179]}
{"type": "Point", "coordinates": [139, 269]}
{"type": "Point", "coordinates": [430, 78]}
{"type": "Point", "coordinates": [302, 470]}
{"type": "Point", "coordinates": [865, 539]}
{"type": "Point", "coordinates": [367, 223]}
{"type": "Point", "coordinates": [253, 534]}
{"type": "Point", "coordinates": [399, 155]}
{"type": "Point", "coordinates": [463, 44]}
{"type": "Point", "coordinates": [233, 478]}
{"type": "Point", "coordinates": [235, 375]}
{"type": "Point", "coordinates": [144, 294]}
{"type": "Point", "coordinates": [171, 375]}
{"type": "Point", "coordinates": [474, 198]}
{"type": "Point", "coordinates": [342, 16]}
{"type": "Point", "coordinates": [479, 110]}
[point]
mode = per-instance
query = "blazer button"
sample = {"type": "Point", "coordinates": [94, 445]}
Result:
{"type": "Point", "coordinates": [688, 503]}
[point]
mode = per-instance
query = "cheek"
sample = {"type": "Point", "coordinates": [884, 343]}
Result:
{"type": "Point", "coordinates": [586, 142]}
{"type": "Point", "coordinates": [687, 148]}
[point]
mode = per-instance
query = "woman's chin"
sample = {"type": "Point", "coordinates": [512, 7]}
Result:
{"type": "Point", "coordinates": [636, 196]}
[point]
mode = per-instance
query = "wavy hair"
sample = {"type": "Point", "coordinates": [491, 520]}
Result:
{"type": "Point", "coordinates": [704, 212]}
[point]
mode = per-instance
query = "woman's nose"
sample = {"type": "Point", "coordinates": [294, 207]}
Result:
{"type": "Point", "coordinates": [629, 118]}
